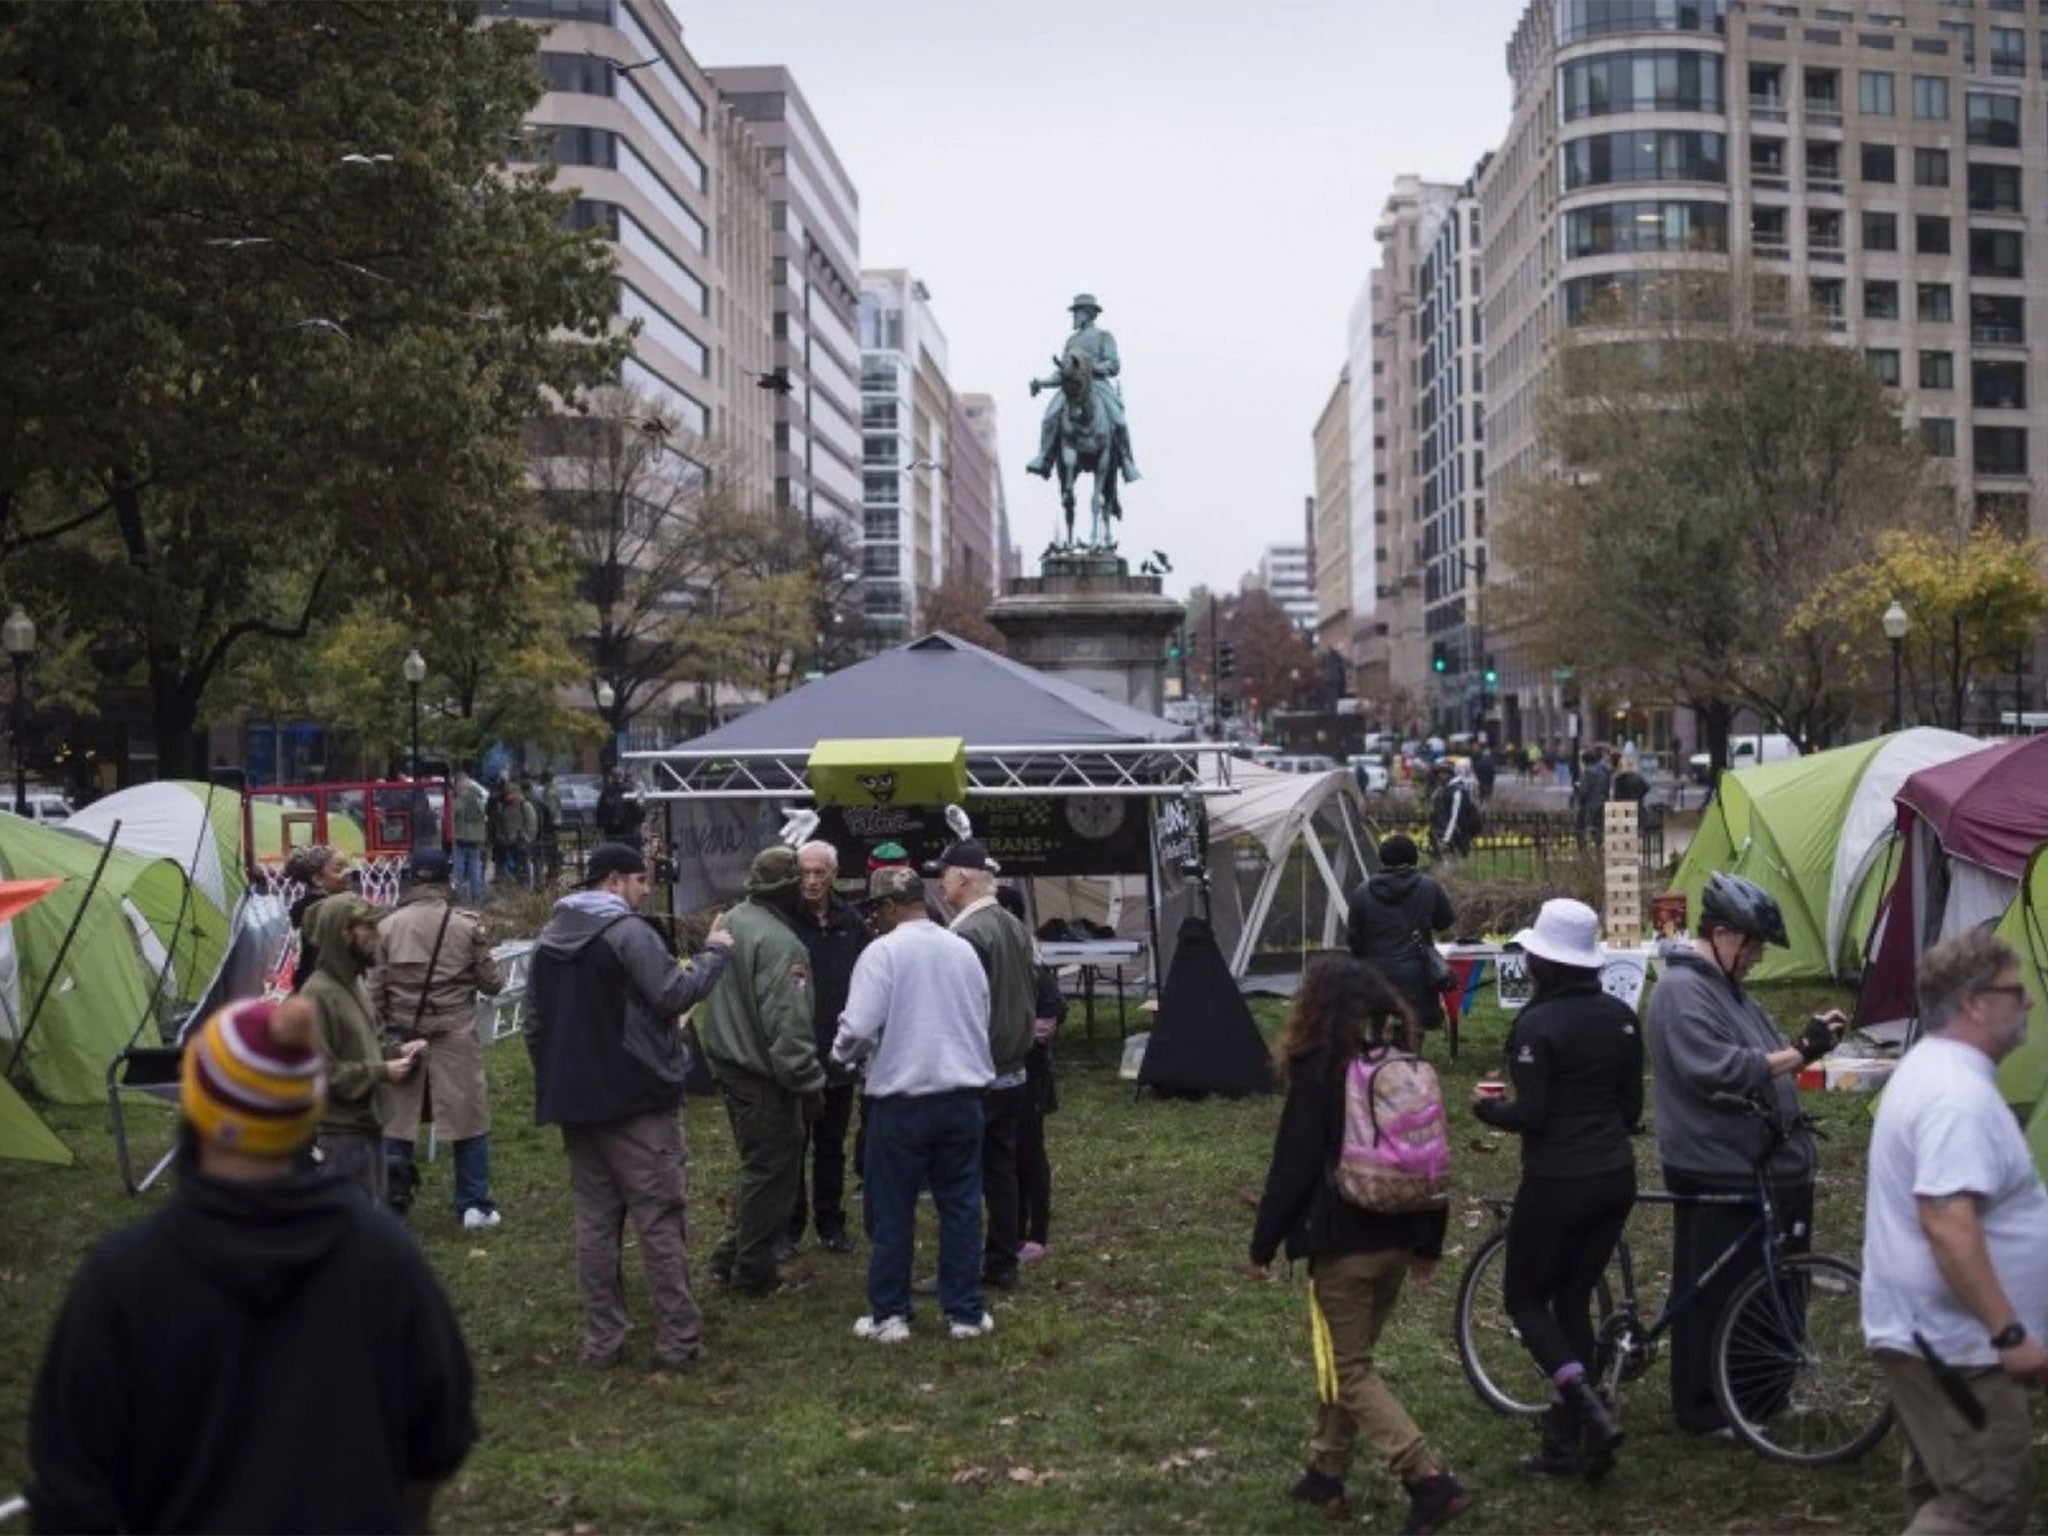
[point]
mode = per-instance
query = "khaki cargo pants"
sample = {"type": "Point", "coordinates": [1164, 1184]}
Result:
{"type": "Point", "coordinates": [1351, 1296]}
{"type": "Point", "coordinates": [1959, 1479]}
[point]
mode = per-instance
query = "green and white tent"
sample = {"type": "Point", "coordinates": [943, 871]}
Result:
{"type": "Point", "coordinates": [113, 958]}
{"type": "Point", "coordinates": [2023, 1076]}
{"type": "Point", "coordinates": [1818, 833]}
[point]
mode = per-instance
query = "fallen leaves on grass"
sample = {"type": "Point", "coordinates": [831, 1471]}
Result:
{"type": "Point", "coordinates": [1180, 1461]}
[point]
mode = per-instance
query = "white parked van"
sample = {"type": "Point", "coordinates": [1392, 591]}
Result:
{"type": "Point", "coordinates": [1747, 752]}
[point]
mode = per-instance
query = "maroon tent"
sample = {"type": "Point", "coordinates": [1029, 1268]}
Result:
{"type": "Point", "coordinates": [1967, 827]}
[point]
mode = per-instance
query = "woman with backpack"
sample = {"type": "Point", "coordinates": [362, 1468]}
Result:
{"type": "Point", "coordinates": [1575, 1057]}
{"type": "Point", "coordinates": [1391, 916]}
{"type": "Point", "coordinates": [1344, 1015]}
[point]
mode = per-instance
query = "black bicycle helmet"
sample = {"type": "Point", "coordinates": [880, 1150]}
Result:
{"type": "Point", "coordinates": [1729, 901]}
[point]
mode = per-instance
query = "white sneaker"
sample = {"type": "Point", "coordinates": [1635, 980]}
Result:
{"type": "Point", "coordinates": [477, 1219]}
{"type": "Point", "coordinates": [890, 1330]}
{"type": "Point", "coordinates": [973, 1330]}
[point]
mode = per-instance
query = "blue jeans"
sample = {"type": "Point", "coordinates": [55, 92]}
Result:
{"type": "Point", "coordinates": [472, 1169]}
{"type": "Point", "coordinates": [933, 1140]}
{"type": "Point", "coordinates": [473, 1173]}
{"type": "Point", "coordinates": [469, 873]}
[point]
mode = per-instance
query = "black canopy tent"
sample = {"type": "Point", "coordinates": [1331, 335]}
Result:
{"type": "Point", "coordinates": [1059, 779]}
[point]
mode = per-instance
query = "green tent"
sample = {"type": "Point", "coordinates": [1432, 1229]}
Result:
{"type": "Point", "coordinates": [23, 1136]}
{"type": "Point", "coordinates": [144, 919]}
{"type": "Point", "coordinates": [1817, 833]}
{"type": "Point", "coordinates": [2023, 1076]}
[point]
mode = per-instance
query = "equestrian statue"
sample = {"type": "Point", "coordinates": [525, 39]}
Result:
{"type": "Point", "coordinates": [1084, 426]}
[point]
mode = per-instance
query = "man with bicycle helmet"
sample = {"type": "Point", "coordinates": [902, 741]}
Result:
{"type": "Point", "coordinates": [1712, 1045]}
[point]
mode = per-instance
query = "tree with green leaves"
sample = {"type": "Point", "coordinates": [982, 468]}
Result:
{"type": "Point", "coordinates": [277, 312]}
{"type": "Point", "coordinates": [1708, 472]}
{"type": "Point", "coordinates": [1973, 602]}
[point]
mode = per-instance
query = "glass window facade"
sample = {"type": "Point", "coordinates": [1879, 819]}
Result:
{"type": "Point", "coordinates": [1930, 235]}
{"type": "Point", "coordinates": [1998, 319]}
{"type": "Point", "coordinates": [1884, 363]}
{"type": "Point", "coordinates": [1994, 189]}
{"type": "Point", "coordinates": [1880, 163]}
{"type": "Point", "coordinates": [1935, 303]}
{"type": "Point", "coordinates": [1992, 120]}
{"type": "Point", "coordinates": [1600, 18]}
{"type": "Point", "coordinates": [1661, 80]}
{"type": "Point", "coordinates": [1997, 253]}
{"type": "Point", "coordinates": [1937, 370]}
{"type": "Point", "coordinates": [1999, 450]}
{"type": "Point", "coordinates": [1998, 385]}
{"type": "Point", "coordinates": [1874, 93]}
{"type": "Point", "coordinates": [1645, 226]}
{"type": "Point", "coordinates": [1881, 300]}
{"type": "Point", "coordinates": [1880, 231]}
{"type": "Point", "coordinates": [1938, 436]}
{"type": "Point", "coordinates": [1930, 96]}
{"type": "Point", "coordinates": [1650, 155]}
{"type": "Point", "coordinates": [1930, 167]}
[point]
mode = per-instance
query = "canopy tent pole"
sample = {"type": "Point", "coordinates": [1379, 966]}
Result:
{"type": "Point", "coordinates": [1153, 885]}
{"type": "Point", "coordinates": [1256, 921]}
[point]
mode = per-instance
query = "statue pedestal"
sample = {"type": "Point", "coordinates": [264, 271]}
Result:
{"type": "Point", "coordinates": [1085, 618]}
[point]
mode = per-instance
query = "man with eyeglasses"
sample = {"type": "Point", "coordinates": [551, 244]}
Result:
{"type": "Point", "coordinates": [1955, 1247]}
{"type": "Point", "coordinates": [1707, 1038]}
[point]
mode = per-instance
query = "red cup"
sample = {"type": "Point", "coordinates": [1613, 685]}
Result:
{"type": "Point", "coordinates": [1812, 1079]}
{"type": "Point", "coordinates": [1489, 1088]}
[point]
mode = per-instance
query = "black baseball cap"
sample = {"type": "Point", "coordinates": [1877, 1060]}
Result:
{"type": "Point", "coordinates": [608, 859]}
{"type": "Point", "coordinates": [968, 853]}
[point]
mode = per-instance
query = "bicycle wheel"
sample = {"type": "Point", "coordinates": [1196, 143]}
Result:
{"type": "Point", "coordinates": [1790, 1370]}
{"type": "Point", "coordinates": [1490, 1347]}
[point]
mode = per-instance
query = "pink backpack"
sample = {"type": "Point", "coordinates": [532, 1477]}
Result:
{"type": "Point", "coordinates": [1396, 1157]}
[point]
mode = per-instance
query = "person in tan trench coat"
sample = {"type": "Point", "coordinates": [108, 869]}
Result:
{"type": "Point", "coordinates": [434, 960]}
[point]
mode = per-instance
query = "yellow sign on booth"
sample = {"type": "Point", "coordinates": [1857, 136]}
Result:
{"type": "Point", "coordinates": [890, 770]}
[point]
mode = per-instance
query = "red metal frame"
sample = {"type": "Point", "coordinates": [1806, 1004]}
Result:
{"type": "Point", "coordinates": [387, 822]}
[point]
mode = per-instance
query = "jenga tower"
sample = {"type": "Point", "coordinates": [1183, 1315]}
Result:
{"type": "Point", "coordinates": [1623, 873]}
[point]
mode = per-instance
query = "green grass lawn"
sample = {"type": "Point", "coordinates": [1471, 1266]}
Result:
{"type": "Point", "coordinates": [1137, 1382]}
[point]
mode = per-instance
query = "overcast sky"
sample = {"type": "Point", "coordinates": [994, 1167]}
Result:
{"type": "Point", "coordinates": [1211, 171]}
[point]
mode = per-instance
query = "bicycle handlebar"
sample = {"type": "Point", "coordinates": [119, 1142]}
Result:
{"type": "Point", "coordinates": [1754, 1105]}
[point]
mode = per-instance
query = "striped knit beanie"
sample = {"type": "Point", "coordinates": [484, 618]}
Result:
{"type": "Point", "coordinates": [252, 1079]}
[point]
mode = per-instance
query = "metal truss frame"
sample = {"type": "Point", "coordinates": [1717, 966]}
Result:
{"type": "Point", "coordinates": [1161, 770]}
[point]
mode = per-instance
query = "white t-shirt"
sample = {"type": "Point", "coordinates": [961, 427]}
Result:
{"type": "Point", "coordinates": [1944, 1129]}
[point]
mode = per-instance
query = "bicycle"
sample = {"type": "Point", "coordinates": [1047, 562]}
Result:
{"type": "Point", "coordinates": [1791, 1375]}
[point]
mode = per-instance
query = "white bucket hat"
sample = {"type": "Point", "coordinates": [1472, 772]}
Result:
{"type": "Point", "coordinates": [1566, 932]}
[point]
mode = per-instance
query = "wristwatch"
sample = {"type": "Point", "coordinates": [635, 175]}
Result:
{"type": "Point", "coordinates": [2011, 1336]}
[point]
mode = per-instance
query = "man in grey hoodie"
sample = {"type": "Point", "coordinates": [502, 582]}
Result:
{"type": "Point", "coordinates": [608, 1067]}
{"type": "Point", "coordinates": [1710, 1040]}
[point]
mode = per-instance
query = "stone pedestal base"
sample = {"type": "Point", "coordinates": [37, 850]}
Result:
{"type": "Point", "coordinates": [1084, 617]}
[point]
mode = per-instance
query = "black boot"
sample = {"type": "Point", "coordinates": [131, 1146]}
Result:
{"type": "Point", "coordinates": [1600, 1433]}
{"type": "Point", "coordinates": [1323, 1491]}
{"type": "Point", "coordinates": [1558, 1455]}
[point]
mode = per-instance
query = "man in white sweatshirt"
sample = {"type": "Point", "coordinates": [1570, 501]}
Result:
{"type": "Point", "coordinates": [918, 1008]}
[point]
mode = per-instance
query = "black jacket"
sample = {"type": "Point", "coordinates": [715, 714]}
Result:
{"type": "Point", "coordinates": [251, 1357]}
{"type": "Point", "coordinates": [604, 995]}
{"type": "Point", "coordinates": [1576, 1059]}
{"type": "Point", "coordinates": [1386, 913]}
{"type": "Point", "coordinates": [1043, 1095]}
{"type": "Point", "coordinates": [834, 945]}
{"type": "Point", "coordinates": [1301, 1206]}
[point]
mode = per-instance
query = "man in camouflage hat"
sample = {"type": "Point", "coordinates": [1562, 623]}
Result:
{"type": "Point", "coordinates": [757, 1037]}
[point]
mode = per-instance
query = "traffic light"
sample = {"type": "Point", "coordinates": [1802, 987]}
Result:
{"type": "Point", "coordinates": [1438, 662]}
{"type": "Point", "coordinates": [1173, 647]}
{"type": "Point", "coordinates": [1492, 677]}
{"type": "Point", "coordinates": [1226, 661]}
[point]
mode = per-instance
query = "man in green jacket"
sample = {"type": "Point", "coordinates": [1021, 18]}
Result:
{"type": "Point", "coordinates": [758, 1039]}
{"type": "Point", "coordinates": [350, 1144]}
{"type": "Point", "coordinates": [967, 885]}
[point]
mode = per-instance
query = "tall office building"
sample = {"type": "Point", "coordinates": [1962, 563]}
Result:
{"type": "Point", "coordinates": [814, 215]}
{"type": "Point", "coordinates": [1331, 523]}
{"type": "Point", "coordinates": [1398, 678]}
{"type": "Point", "coordinates": [1284, 574]}
{"type": "Point", "coordinates": [1450, 430]}
{"type": "Point", "coordinates": [978, 544]}
{"type": "Point", "coordinates": [660, 165]}
{"type": "Point", "coordinates": [906, 426]}
{"type": "Point", "coordinates": [1866, 162]}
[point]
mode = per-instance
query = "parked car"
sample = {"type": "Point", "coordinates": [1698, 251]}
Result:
{"type": "Point", "coordinates": [1746, 752]}
{"type": "Point", "coordinates": [43, 805]}
{"type": "Point", "coordinates": [1370, 768]}
{"type": "Point", "coordinates": [578, 793]}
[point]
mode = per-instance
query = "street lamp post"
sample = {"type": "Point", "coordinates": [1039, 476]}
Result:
{"type": "Point", "coordinates": [1895, 625]}
{"type": "Point", "coordinates": [18, 634]}
{"type": "Point", "coordinates": [607, 696]}
{"type": "Point", "coordinates": [415, 674]}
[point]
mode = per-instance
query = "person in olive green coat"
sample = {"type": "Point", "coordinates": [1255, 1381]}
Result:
{"type": "Point", "coordinates": [757, 1035]}
{"type": "Point", "coordinates": [350, 1144]}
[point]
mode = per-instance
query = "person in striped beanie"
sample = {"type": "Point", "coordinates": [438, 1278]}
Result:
{"type": "Point", "coordinates": [337, 1392]}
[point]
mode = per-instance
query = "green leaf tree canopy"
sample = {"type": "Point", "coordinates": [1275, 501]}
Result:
{"type": "Point", "coordinates": [277, 312]}
{"type": "Point", "coordinates": [1711, 472]}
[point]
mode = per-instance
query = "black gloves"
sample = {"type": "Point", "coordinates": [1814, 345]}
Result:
{"type": "Point", "coordinates": [1815, 1041]}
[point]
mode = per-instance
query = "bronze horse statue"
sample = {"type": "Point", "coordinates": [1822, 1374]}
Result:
{"type": "Point", "coordinates": [1087, 442]}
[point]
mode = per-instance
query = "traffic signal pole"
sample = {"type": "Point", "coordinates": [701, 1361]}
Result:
{"type": "Point", "coordinates": [1215, 673]}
